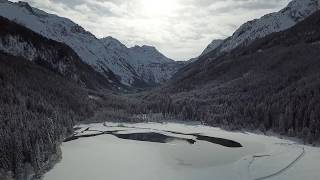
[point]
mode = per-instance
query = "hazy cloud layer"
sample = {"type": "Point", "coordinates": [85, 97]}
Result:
{"type": "Point", "coordinates": [180, 29]}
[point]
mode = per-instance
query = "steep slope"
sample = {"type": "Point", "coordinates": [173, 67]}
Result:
{"type": "Point", "coordinates": [149, 64]}
{"type": "Point", "coordinates": [273, 84]}
{"type": "Point", "coordinates": [114, 44]}
{"type": "Point", "coordinates": [38, 109]}
{"type": "Point", "coordinates": [296, 11]}
{"type": "Point", "coordinates": [85, 44]}
{"type": "Point", "coordinates": [91, 50]}
{"type": "Point", "coordinates": [212, 46]}
{"type": "Point", "coordinates": [20, 41]}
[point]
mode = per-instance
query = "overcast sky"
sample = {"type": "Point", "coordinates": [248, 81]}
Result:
{"type": "Point", "coordinates": [180, 29]}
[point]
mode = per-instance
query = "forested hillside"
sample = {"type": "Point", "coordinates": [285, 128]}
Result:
{"type": "Point", "coordinates": [38, 108]}
{"type": "Point", "coordinates": [274, 84]}
{"type": "Point", "coordinates": [45, 89]}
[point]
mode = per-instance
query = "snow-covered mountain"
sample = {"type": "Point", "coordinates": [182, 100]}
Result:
{"type": "Point", "coordinates": [150, 65]}
{"type": "Point", "coordinates": [103, 57]}
{"type": "Point", "coordinates": [212, 46]}
{"type": "Point", "coordinates": [296, 11]}
{"type": "Point", "coordinates": [20, 41]}
{"type": "Point", "coordinates": [112, 43]}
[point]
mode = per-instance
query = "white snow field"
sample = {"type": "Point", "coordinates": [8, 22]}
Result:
{"type": "Point", "coordinates": [108, 157]}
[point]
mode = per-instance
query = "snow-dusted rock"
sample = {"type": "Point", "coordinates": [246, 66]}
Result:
{"type": "Point", "coordinates": [296, 11]}
{"type": "Point", "coordinates": [212, 46]}
{"type": "Point", "coordinates": [150, 65]}
{"type": "Point", "coordinates": [106, 59]}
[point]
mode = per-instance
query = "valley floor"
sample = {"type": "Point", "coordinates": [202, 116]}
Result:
{"type": "Point", "coordinates": [261, 157]}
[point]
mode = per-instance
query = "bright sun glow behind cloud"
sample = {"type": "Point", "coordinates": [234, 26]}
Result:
{"type": "Point", "coordinates": [158, 7]}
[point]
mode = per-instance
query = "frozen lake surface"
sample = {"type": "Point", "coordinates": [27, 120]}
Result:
{"type": "Point", "coordinates": [172, 151]}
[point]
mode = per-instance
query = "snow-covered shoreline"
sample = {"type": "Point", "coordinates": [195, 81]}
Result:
{"type": "Point", "coordinates": [266, 157]}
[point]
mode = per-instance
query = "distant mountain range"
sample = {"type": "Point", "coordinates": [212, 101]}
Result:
{"type": "Point", "coordinates": [147, 62]}
{"type": "Point", "coordinates": [137, 66]}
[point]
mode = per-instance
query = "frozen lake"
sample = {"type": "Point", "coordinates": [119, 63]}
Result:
{"type": "Point", "coordinates": [171, 151]}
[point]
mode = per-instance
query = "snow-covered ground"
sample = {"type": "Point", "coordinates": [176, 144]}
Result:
{"type": "Point", "coordinates": [108, 157]}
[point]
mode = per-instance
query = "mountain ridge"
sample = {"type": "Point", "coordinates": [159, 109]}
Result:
{"type": "Point", "coordinates": [89, 48]}
{"type": "Point", "coordinates": [150, 64]}
{"type": "Point", "coordinates": [294, 12]}
{"type": "Point", "coordinates": [18, 40]}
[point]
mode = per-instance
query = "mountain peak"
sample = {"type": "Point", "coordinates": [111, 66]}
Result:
{"type": "Point", "coordinates": [296, 11]}
{"type": "Point", "coordinates": [110, 38]}
{"type": "Point", "coordinates": [300, 9]}
{"type": "Point", "coordinates": [26, 6]}
{"type": "Point", "coordinates": [146, 49]}
{"type": "Point", "coordinates": [145, 52]}
{"type": "Point", "coordinates": [112, 43]}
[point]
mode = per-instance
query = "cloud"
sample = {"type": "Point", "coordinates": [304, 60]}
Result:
{"type": "Point", "coordinates": [180, 29]}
